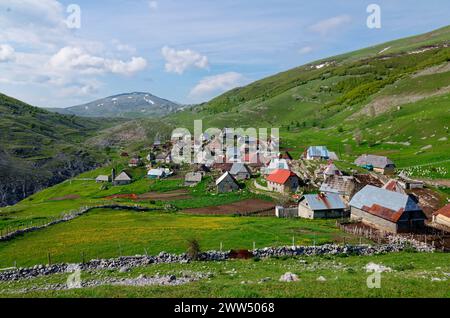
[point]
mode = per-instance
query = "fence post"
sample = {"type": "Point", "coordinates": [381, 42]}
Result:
{"type": "Point", "coordinates": [83, 257]}
{"type": "Point", "coordinates": [49, 258]}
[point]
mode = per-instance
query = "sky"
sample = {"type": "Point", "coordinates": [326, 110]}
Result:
{"type": "Point", "coordinates": [64, 53]}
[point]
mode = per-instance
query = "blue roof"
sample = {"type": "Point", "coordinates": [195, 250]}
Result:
{"type": "Point", "coordinates": [324, 201]}
{"type": "Point", "coordinates": [318, 151]}
{"type": "Point", "coordinates": [395, 201]}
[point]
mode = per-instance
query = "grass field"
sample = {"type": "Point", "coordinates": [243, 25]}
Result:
{"type": "Point", "coordinates": [413, 275]}
{"type": "Point", "coordinates": [111, 233]}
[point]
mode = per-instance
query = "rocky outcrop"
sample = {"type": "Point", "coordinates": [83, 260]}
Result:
{"type": "Point", "coordinates": [21, 179]}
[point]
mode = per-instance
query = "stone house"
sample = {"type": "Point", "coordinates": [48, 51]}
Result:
{"type": "Point", "coordinates": [321, 206]}
{"type": "Point", "coordinates": [387, 210]}
{"type": "Point", "coordinates": [283, 181]}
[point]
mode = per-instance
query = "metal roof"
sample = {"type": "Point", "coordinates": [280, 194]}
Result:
{"type": "Point", "coordinates": [224, 176]}
{"type": "Point", "coordinates": [156, 172]}
{"type": "Point", "coordinates": [339, 184]}
{"type": "Point", "coordinates": [372, 196]}
{"type": "Point", "coordinates": [376, 161]}
{"type": "Point", "coordinates": [318, 151]}
{"type": "Point", "coordinates": [324, 201]}
{"type": "Point", "coordinates": [280, 176]}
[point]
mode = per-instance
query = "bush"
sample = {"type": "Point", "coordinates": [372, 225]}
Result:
{"type": "Point", "coordinates": [193, 250]}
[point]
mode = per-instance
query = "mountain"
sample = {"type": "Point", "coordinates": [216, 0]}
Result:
{"type": "Point", "coordinates": [39, 148]}
{"type": "Point", "coordinates": [390, 99]}
{"type": "Point", "coordinates": [132, 105]}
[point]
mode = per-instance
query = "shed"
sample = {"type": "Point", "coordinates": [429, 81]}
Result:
{"type": "Point", "coordinates": [102, 178]}
{"type": "Point", "coordinates": [240, 171]}
{"type": "Point", "coordinates": [122, 179]}
{"type": "Point", "coordinates": [321, 206]}
{"type": "Point", "coordinates": [192, 179]}
{"type": "Point", "coordinates": [227, 183]}
{"type": "Point", "coordinates": [387, 210]}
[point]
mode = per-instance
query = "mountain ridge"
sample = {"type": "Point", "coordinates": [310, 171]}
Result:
{"type": "Point", "coordinates": [123, 105]}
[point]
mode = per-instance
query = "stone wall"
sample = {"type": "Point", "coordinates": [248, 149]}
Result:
{"type": "Point", "coordinates": [395, 245]}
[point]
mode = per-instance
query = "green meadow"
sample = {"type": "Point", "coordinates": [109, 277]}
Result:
{"type": "Point", "coordinates": [412, 275]}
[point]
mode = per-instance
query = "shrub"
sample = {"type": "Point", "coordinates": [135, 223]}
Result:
{"type": "Point", "coordinates": [193, 249]}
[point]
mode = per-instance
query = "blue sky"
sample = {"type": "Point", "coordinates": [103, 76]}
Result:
{"type": "Point", "coordinates": [187, 51]}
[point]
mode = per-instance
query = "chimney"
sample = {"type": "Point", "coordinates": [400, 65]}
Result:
{"type": "Point", "coordinates": [113, 174]}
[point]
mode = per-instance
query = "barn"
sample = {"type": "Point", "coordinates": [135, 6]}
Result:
{"type": "Point", "coordinates": [387, 210]}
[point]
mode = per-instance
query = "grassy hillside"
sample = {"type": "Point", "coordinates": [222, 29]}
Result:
{"type": "Point", "coordinates": [39, 148]}
{"type": "Point", "coordinates": [394, 96]}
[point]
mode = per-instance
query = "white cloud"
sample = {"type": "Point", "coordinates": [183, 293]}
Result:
{"type": "Point", "coordinates": [51, 57]}
{"type": "Point", "coordinates": [326, 26]}
{"type": "Point", "coordinates": [153, 5]}
{"type": "Point", "coordinates": [7, 53]}
{"type": "Point", "coordinates": [179, 61]}
{"type": "Point", "coordinates": [305, 50]}
{"type": "Point", "coordinates": [213, 85]}
{"type": "Point", "coordinates": [76, 59]}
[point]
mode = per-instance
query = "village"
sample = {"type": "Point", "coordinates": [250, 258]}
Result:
{"type": "Point", "coordinates": [372, 194]}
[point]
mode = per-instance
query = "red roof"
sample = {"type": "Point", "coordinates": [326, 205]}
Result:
{"type": "Point", "coordinates": [280, 176]}
{"type": "Point", "coordinates": [445, 211]}
{"type": "Point", "coordinates": [384, 213]}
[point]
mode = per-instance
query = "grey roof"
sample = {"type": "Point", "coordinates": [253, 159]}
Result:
{"type": "Point", "coordinates": [376, 161]}
{"type": "Point", "coordinates": [395, 201]}
{"type": "Point", "coordinates": [193, 177]}
{"type": "Point", "coordinates": [324, 201]}
{"type": "Point", "coordinates": [226, 175]}
{"type": "Point", "coordinates": [123, 176]}
{"type": "Point", "coordinates": [102, 178]}
{"type": "Point", "coordinates": [339, 184]}
{"type": "Point", "coordinates": [239, 168]}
